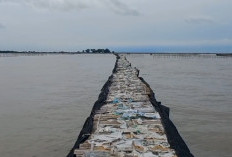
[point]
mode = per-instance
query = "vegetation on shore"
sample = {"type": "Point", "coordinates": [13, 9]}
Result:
{"type": "Point", "coordinates": [107, 51]}
{"type": "Point", "coordinates": [64, 52]}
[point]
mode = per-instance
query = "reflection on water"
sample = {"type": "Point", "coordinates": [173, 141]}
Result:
{"type": "Point", "coordinates": [44, 100]}
{"type": "Point", "coordinates": [198, 89]}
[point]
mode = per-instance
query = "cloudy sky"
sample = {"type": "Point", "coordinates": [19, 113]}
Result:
{"type": "Point", "coordinates": [70, 25]}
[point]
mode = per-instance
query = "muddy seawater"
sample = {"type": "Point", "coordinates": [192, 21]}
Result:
{"type": "Point", "coordinates": [198, 90]}
{"type": "Point", "coordinates": [45, 99]}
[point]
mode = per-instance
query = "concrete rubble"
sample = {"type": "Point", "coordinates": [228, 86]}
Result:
{"type": "Point", "coordinates": [127, 125]}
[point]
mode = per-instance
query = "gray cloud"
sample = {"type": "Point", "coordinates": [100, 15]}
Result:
{"type": "Point", "coordinates": [63, 5]}
{"type": "Point", "coordinates": [103, 23]}
{"type": "Point", "coordinates": [2, 26]}
{"type": "Point", "coordinates": [121, 8]}
{"type": "Point", "coordinates": [116, 6]}
{"type": "Point", "coordinates": [199, 20]}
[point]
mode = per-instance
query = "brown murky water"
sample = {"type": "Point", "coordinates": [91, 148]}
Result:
{"type": "Point", "coordinates": [44, 100]}
{"type": "Point", "coordinates": [198, 90]}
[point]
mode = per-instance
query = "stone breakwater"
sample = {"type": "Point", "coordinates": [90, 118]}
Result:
{"type": "Point", "coordinates": [127, 121]}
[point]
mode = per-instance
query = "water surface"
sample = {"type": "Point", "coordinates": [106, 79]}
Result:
{"type": "Point", "coordinates": [198, 90]}
{"type": "Point", "coordinates": [44, 100]}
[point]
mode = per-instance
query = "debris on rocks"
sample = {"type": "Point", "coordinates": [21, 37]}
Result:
{"type": "Point", "coordinates": [127, 125]}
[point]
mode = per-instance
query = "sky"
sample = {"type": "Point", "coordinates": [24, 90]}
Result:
{"type": "Point", "coordinates": [131, 25]}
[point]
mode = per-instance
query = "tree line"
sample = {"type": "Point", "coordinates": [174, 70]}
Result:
{"type": "Point", "coordinates": [62, 52]}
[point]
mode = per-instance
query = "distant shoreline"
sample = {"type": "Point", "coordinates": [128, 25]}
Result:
{"type": "Point", "coordinates": [151, 53]}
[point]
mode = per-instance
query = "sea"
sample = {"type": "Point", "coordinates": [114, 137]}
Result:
{"type": "Point", "coordinates": [45, 99]}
